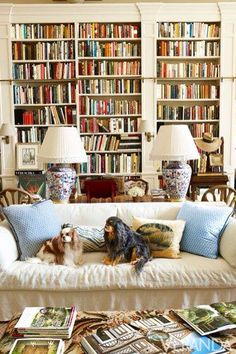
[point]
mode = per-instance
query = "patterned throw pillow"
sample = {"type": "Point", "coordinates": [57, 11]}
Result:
{"type": "Point", "coordinates": [163, 236]}
{"type": "Point", "coordinates": [204, 227]}
{"type": "Point", "coordinates": [32, 225]}
{"type": "Point", "coordinates": [93, 238]}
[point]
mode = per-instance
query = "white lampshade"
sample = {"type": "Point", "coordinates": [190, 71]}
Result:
{"type": "Point", "coordinates": [62, 145]}
{"type": "Point", "coordinates": [174, 142]}
{"type": "Point", "coordinates": [7, 129]}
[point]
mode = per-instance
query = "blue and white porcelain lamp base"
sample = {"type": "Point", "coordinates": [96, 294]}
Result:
{"type": "Point", "coordinates": [177, 175]}
{"type": "Point", "coordinates": [60, 181]}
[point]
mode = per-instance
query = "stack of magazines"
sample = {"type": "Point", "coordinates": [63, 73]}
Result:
{"type": "Point", "coordinates": [45, 322]}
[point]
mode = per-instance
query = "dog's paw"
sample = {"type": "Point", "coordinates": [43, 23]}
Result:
{"type": "Point", "coordinates": [107, 261]}
{"type": "Point", "coordinates": [35, 260]}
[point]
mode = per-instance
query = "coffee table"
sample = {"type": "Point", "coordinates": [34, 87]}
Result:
{"type": "Point", "coordinates": [87, 322]}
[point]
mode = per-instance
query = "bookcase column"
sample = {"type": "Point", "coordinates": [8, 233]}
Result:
{"type": "Point", "coordinates": [7, 150]}
{"type": "Point", "coordinates": [148, 17]}
{"type": "Point", "coordinates": [228, 88]}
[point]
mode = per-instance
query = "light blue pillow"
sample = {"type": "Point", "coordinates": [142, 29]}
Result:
{"type": "Point", "coordinates": [32, 225]}
{"type": "Point", "coordinates": [203, 229]}
{"type": "Point", "coordinates": [93, 238]}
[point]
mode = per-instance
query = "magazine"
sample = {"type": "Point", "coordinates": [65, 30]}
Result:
{"type": "Point", "coordinates": [115, 340]}
{"type": "Point", "coordinates": [206, 319]}
{"type": "Point", "coordinates": [36, 345]}
{"type": "Point", "coordinates": [46, 322]}
{"type": "Point", "coordinates": [171, 336]}
{"type": "Point", "coordinates": [157, 334]}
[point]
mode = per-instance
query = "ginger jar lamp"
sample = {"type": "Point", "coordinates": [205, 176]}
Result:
{"type": "Point", "coordinates": [175, 144]}
{"type": "Point", "coordinates": [61, 146]}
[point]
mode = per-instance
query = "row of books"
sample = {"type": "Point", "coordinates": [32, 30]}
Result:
{"type": "Point", "coordinates": [45, 115]}
{"type": "Point", "coordinates": [60, 50]}
{"type": "Point", "coordinates": [108, 49]}
{"type": "Point", "coordinates": [197, 130]}
{"type": "Point", "coordinates": [31, 135]}
{"type": "Point", "coordinates": [111, 142]}
{"type": "Point", "coordinates": [43, 71]}
{"type": "Point", "coordinates": [188, 29]}
{"type": "Point", "coordinates": [194, 113]}
{"type": "Point", "coordinates": [112, 125]}
{"type": "Point", "coordinates": [108, 86]}
{"type": "Point", "coordinates": [41, 31]}
{"type": "Point", "coordinates": [109, 30]}
{"type": "Point", "coordinates": [188, 70]}
{"type": "Point", "coordinates": [44, 94]}
{"type": "Point", "coordinates": [187, 91]}
{"type": "Point", "coordinates": [111, 163]}
{"type": "Point", "coordinates": [104, 67]}
{"type": "Point", "coordinates": [188, 48]}
{"type": "Point", "coordinates": [91, 106]}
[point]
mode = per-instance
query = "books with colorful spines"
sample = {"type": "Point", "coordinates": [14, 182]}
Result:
{"type": "Point", "coordinates": [116, 340]}
{"type": "Point", "coordinates": [46, 322]}
{"type": "Point", "coordinates": [33, 345]}
{"type": "Point", "coordinates": [206, 319]}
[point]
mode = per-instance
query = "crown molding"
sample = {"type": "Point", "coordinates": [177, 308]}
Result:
{"type": "Point", "coordinates": [75, 12]}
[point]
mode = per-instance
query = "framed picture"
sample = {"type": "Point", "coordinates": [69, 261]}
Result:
{"type": "Point", "coordinates": [27, 156]}
{"type": "Point", "coordinates": [216, 160]}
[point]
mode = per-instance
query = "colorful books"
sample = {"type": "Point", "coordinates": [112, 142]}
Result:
{"type": "Point", "coordinates": [36, 345]}
{"type": "Point", "coordinates": [46, 322]}
{"type": "Point", "coordinates": [206, 319]}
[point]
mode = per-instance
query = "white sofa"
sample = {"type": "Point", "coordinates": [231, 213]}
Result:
{"type": "Point", "coordinates": [163, 283]}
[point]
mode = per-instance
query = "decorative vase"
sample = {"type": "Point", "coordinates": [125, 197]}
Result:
{"type": "Point", "coordinates": [177, 176]}
{"type": "Point", "coordinates": [60, 181]}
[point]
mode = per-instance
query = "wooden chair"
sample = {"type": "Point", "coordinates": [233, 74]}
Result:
{"type": "Point", "coordinates": [140, 183]}
{"type": "Point", "coordinates": [11, 196]}
{"type": "Point", "coordinates": [221, 193]}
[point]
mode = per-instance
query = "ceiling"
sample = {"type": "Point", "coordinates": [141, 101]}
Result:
{"type": "Point", "coordinates": [107, 1]}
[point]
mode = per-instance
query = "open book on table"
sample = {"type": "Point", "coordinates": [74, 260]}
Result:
{"type": "Point", "coordinates": [159, 334]}
{"type": "Point", "coordinates": [206, 319]}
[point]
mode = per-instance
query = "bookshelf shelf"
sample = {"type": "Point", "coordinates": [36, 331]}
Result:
{"type": "Point", "coordinates": [188, 76]}
{"type": "Point", "coordinates": [110, 82]}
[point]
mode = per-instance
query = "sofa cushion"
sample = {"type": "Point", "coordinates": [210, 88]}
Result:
{"type": "Point", "coordinates": [8, 249]}
{"type": "Point", "coordinates": [32, 225]}
{"type": "Point", "coordinates": [228, 243]}
{"type": "Point", "coordinates": [203, 229]}
{"type": "Point", "coordinates": [93, 238]}
{"type": "Point", "coordinates": [163, 235]}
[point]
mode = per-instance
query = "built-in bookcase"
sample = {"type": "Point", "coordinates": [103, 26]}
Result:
{"type": "Point", "coordinates": [109, 90]}
{"type": "Point", "coordinates": [44, 80]}
{"type": "Point", "coordinates": [188, 75]}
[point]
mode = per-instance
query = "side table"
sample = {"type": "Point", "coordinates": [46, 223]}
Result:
{"type": "Point", "coordinates": [205, 181]}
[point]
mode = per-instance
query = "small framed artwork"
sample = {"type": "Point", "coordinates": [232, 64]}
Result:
{"type": "Point", "coordinates": [27, 156]}
{"type": "Point", "coordinates": [216, 162]}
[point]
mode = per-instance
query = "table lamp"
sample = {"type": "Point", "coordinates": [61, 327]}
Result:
{"type": "Point", "coordinates": [61, 146]}
{"type": "Point", "coordinates": [175, 144]}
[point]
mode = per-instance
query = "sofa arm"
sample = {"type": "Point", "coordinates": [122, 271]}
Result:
{"type": "Point", "coordinates": [8, 247]}
{"type": "Point", "coordinates": [228, 243]}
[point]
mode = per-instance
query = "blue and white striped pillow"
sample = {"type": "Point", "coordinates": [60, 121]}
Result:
{"type": "Point", "coordinates": [93, 238]}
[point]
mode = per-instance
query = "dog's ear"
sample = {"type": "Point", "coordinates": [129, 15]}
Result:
{"type": "Point", "coordinates": [58, 244]}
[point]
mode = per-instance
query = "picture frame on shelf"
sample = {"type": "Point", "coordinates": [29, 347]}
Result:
{"type": "Point", "coordinates": [27, 156]}
{"type": "Point", "coordinates": [216, 162]}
